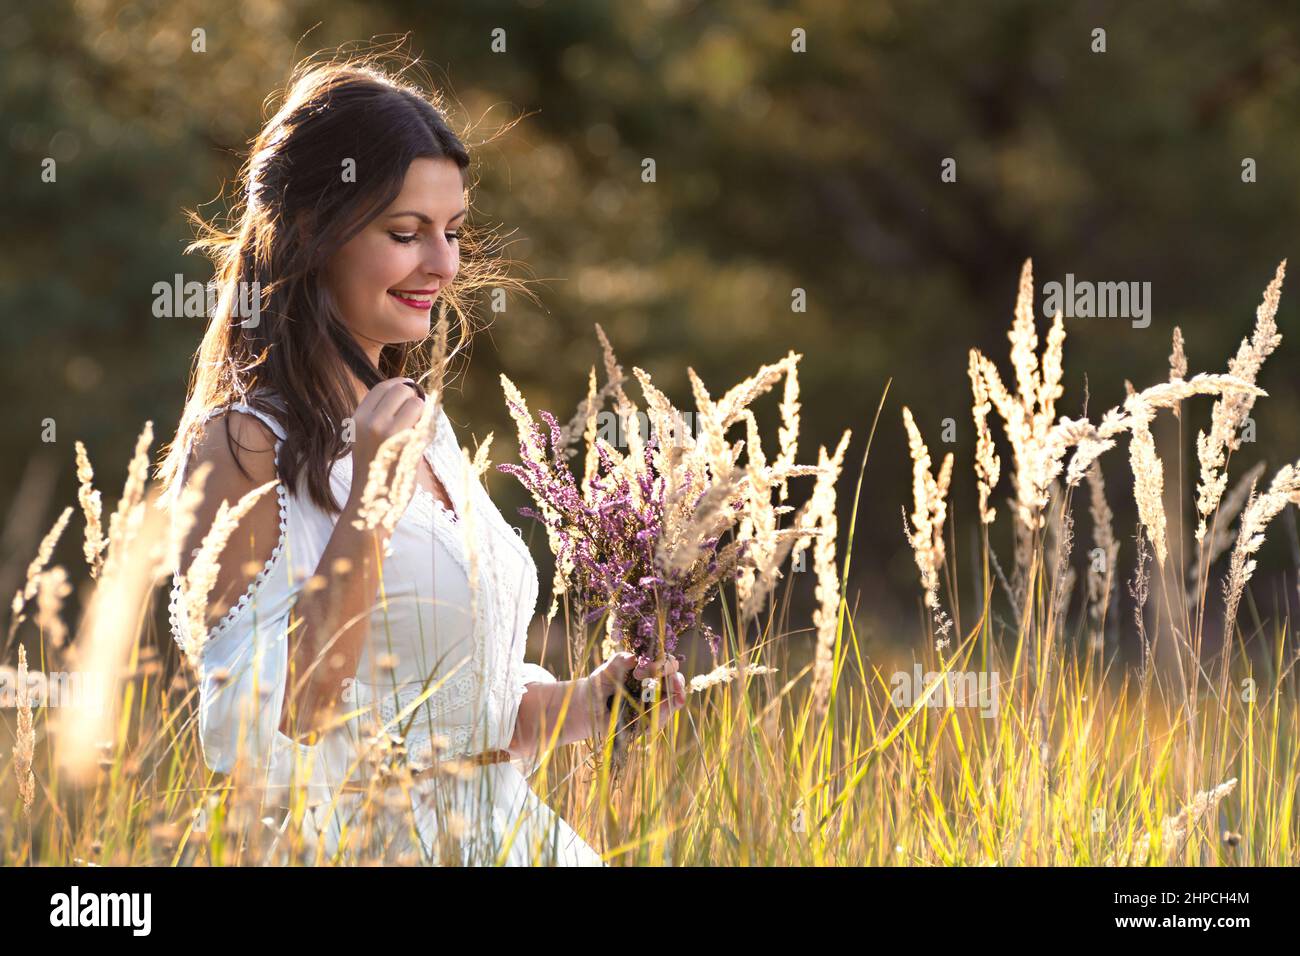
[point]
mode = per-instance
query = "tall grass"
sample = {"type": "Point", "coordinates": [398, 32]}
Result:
{"type": "Point", "coordinates": [1190, 757]}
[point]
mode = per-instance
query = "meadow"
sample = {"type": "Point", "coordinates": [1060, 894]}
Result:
{"type": "Point", "coordinates": [1009, 729]}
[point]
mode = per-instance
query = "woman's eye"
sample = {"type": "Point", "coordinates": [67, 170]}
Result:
{"type": "Point", "coordinates": [404, 237]}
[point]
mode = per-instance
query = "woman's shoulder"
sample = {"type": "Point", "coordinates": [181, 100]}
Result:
{"type": "Point", "coordinates": [255, 412]}
{"type": "Point", "coordinates": [234, 435]}
{"type": "Point", "coordinates": [266, 405]}
{"type": "Point", "coordinates": [240, 446]}
{"type": "Point", "coordinates": [241, 454]}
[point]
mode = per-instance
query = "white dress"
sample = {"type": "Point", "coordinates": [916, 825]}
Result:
{"type": "Point", "coordinates": [432, 628]}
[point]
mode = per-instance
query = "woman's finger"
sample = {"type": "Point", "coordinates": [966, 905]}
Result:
{"type": "Point", "coordinates": [677, 692]}
{"type": "Point", "coordinates": [408, 413]}
{"type": "Point", "coordinates": [612, 674]}
{"type": "Point", "coordinates": [388, 397]}
{"type": "Point", "coordinates": [672, 695]}
{"type": "Point", "coordinates": [665, 667]}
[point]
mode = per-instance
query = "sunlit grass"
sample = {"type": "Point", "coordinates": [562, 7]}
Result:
{"type": "Point", "coordinates": [1078, 766]}
{"type": "Point", "coordinates": [1074, 758]}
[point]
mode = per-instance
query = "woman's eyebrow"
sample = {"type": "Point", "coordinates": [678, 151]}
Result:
{"type": "Point", "coordinates": [422, 217]}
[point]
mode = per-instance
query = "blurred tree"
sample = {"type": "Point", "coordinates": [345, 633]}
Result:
{"type": "Point", "coordinates": [777, 167]}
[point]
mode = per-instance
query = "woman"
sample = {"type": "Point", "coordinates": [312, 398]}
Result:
{"type": "Point", "coordinates": [328, 643]}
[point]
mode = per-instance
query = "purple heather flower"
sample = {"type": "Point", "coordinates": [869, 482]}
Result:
{"type": "Point", "coordinates": [611, 541]}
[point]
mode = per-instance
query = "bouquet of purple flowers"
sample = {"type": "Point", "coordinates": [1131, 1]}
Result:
{"type": "Point", "coordinates": [647, 539]}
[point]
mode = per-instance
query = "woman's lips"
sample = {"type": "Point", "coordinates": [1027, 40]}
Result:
{"type": "Point", "coordinates": [422, 300]}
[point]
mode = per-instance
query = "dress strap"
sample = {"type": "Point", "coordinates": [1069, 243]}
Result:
{"type": "Point", "coordinates": [270, 422]}
{"type": "Point", "coordinates": [176, 614]}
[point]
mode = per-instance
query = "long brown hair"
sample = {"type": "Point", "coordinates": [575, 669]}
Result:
{"type": "Point", "coordinates": [292, 211]}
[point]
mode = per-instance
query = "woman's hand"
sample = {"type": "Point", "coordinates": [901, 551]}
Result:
{"type": "Point", "coordinates": [388, 408]}
{"type": "Point", "coordinates": [610, 675]}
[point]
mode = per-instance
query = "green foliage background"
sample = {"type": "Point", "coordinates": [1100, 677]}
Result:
{"type": "Point", "coordinates": [775, 170]}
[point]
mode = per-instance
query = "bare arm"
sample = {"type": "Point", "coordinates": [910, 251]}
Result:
{"type": "Point", "coordinates": [540, 712]}
{"type": "Point", "coordinates": [578, 706]}
{"type": "Point", "coordinates": [336, 614]}
{"type": "Point", "coordinates": [347, 574]}
{"type": "Point", "coordinates": [335, 618]}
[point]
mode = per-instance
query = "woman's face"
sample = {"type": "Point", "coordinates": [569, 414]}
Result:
{"type": "Point", "coordinates": [387, 276]}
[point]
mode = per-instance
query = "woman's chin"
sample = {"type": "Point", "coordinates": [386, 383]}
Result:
{"type": "Point", "coordinates": [412, 328]}
{"type": "Point", "coordinates": [402, 324]}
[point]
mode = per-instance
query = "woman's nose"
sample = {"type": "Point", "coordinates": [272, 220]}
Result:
{"type": "Point", "coordinates": [441, 259]}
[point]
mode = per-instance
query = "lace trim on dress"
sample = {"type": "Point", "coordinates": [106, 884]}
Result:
{"type": "Point", "coordinates": [427, 509]}
{"type": "Point", "coordinates": [506, 682]}
{"type": "Point", "coordinates": [501, 585]}
{"type": "Point", "coordinates": [498, 586]}
{"type": "Point", "coordinates": [427, 497]}
{"type": "Point", "coordinates": [175, 613]}
{"type": "Point", "coordinates": [435, 503]}
{"type": "Point", "coordinates": [459, 535]}
{"type": "Point", "coordinates": [421, 722]}
{"type": "Point", "coordinates": [429, 514]}
{"type": "Point", "coordinates": [461, 693]}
